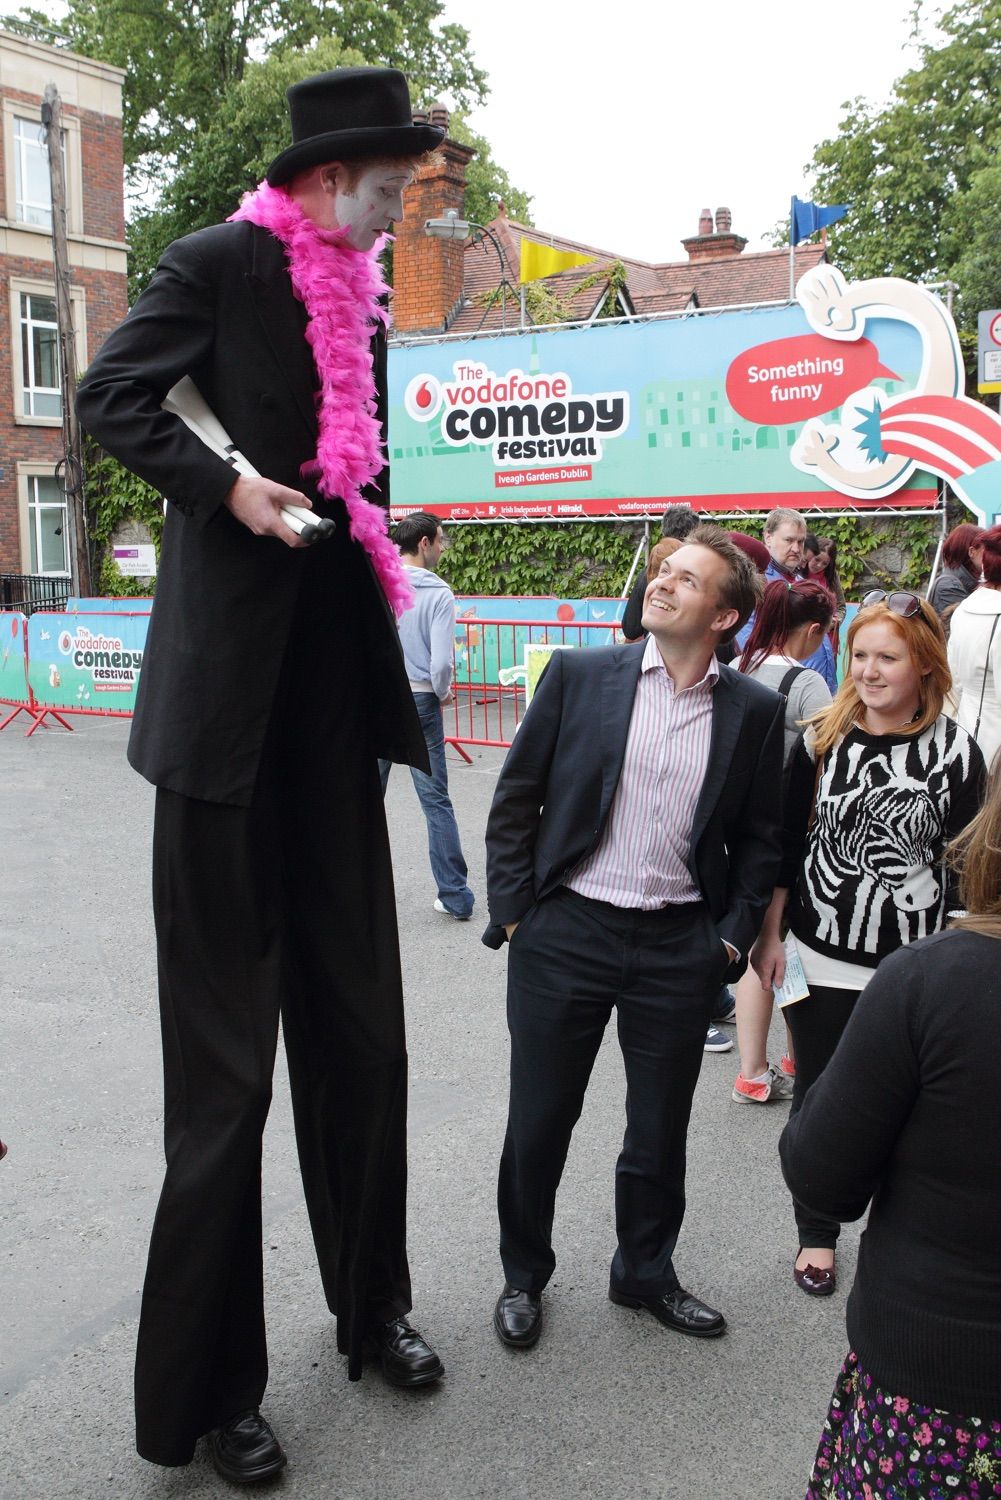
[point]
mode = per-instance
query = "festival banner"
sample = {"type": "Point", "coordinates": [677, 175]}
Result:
{"type": "Point", "coordinates": [624, 419]}
{"type": "Point", "coordinates": [90, 663]}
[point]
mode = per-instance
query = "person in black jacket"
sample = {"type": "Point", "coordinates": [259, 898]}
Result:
{"type": "Point", "coordinates": [273, 681]}
{"type": "Point", "coordinates": [907, 1116]}
{"type": "Point", "coordinates": [630, 846]}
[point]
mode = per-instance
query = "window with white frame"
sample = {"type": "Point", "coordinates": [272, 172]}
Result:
{"type": "Point", "coordinates": [41, 396]}
{"type": "Point", "coordinates": [32, 187]}
{"type": "Point", "coordinates": [48, 540]}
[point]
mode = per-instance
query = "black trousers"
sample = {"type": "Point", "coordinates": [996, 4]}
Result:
{"type": "Point", "coordinates": [817, 1024]}
{"type": "Point", "coordinates": [573, 961]}
{"type": "Point", "coordinates": [283, 908]}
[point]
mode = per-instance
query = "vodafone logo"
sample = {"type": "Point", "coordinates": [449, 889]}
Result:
{"type": "Point", "coordinates": [422, 398]}
{"type": "Point", "coordinates": [65, 643]}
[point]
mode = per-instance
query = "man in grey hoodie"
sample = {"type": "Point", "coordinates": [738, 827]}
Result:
{"type": "Point", "coordinates": [427, 634]}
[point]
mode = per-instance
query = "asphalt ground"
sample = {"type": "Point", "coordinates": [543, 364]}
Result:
{"type": "Point", "coordinates": [608, 1404]}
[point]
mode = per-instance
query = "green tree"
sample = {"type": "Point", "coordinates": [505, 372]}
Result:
{"type": "Point", "coordinates": [183, 57]}
{"type": "Point", "coordinates": [910, 169]}
{"type": "Point", "coordinates": [486, 182]}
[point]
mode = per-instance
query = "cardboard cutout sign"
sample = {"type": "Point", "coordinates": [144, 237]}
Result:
{"type": "Point", "coordinates": [880, 439]}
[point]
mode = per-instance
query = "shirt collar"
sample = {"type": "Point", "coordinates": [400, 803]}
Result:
{"type": "Point", "coordinates": [652, 660]}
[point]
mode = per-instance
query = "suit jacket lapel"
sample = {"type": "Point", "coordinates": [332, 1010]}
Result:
{"type": "Point", "coordinates": [283, 319]}
{"type": "Point", "coordinates": [618, 689]}
{"type": "Point", "coordinates": [728, 715]}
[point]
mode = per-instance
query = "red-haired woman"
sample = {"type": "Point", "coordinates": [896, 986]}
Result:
{"type": "Point", "coordinates": [975, 652]}
{"type": "Point", "coordinates": [962, 556]}
{"type": "Point", "coordinates": [882, 781]}
{"type": "Point", "coordinates": [789, 624]}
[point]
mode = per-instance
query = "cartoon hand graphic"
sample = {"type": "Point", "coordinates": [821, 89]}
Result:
{"type": "Point", "coordinates": [829, 305]}
{"type": "Point", "coordinates": [813, 444]}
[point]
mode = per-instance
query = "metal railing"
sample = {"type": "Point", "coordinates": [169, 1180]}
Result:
{"type": "Point", "coordinates": [489, 688]}
{"type": "Point", "coordinates": [30, 591]}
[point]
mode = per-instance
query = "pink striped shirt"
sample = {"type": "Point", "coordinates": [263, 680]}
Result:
{"type": "Point", "coordinates": [641, 860]}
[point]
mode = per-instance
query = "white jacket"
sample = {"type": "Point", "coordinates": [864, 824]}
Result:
{"type": "Point", "coordinates": [969, 635]}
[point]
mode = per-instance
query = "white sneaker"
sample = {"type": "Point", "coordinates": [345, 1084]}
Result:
{"type": "Point", "coordinates": [455, 915]}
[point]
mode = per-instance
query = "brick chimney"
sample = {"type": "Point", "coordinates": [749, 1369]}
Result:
{"type": "Point", "coordinates": [710, 244]}
{"type": "Point", "coordinates": [427, 273]}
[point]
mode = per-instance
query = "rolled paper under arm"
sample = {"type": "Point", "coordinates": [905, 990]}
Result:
{"type": "Point", "coordinates": [186, 401]}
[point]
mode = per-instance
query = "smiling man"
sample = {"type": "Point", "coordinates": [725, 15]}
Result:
{"type": "Point", "coordinates": [273, 681]}
{"type": "Point", "coordinates": [631, 850]}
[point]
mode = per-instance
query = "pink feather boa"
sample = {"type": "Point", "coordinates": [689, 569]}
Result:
{"type": "Point", "coordinates": [341, 289]}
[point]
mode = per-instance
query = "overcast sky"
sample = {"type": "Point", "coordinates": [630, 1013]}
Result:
{"type": "Point", "coordinates": [623, 120]}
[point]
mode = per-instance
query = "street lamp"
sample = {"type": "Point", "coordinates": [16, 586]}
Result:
{"type": "Point", "coordinates": [451, 227]}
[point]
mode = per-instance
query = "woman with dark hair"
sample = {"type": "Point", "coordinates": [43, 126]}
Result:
{"type": "Point", "coordinates": [820, 562]}
{"type": "Point", "coordinates": [789, 623]}
{"type": "Point", "coordinates": [975, 652]}
{"type": "Point", "coordinates": [880, 783]}
{"type": "Point", "coordinates": [962, 556]}
{"type": "Point", "coordinates": [908, 1115]}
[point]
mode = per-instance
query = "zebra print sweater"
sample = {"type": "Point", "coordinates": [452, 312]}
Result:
{"type": "Point", "coordinates": [869, 875]}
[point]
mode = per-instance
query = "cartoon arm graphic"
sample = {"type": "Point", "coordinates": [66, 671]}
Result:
{"type": "Point", "coordinates": [839, 311]}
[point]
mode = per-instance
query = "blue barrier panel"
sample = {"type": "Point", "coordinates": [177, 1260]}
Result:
{"type": "Point", "coordinates": [13, 658]}
{"type": "Point", "coordinates": [86, 663]}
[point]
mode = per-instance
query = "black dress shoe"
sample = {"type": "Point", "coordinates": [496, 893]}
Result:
{"type": "Point", "coordinates": [407, 1359]}
{"type": "Point", "coordinates": [678, 1310]}
{"type": "Point", "coordinates": [518, 1317]}
{"type": "Point", "coordinates": [245, 1450]}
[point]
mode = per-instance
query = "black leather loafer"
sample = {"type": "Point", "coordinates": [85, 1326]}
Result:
{"type": "Point", "coordinates": [518, 1317]}
{"type": "Point", "coordinates": [406, 1357]}
{"type": "Point", "coordinates": [678, 1310]}
{"type": "Point", "coordinates": [245, 1450]}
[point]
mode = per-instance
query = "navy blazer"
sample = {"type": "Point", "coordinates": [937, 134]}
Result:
{"type": "Point", "coordinates": [558, 781]}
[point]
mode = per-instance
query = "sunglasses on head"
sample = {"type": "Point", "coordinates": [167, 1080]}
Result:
{"type": "Point", "coordinates": [900, 602]}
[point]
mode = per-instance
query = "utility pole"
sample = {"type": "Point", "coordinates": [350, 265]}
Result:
{"type": "Point", "coordinates": [72, 460]}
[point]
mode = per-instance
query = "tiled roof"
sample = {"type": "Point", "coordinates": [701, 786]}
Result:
{"type": "Point", "coordinates": [671, 286]}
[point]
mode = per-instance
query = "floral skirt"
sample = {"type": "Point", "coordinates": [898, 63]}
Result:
{"type": "Point", "coordinates": [877, 1446]}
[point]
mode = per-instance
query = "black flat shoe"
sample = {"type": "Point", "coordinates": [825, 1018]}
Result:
{"type": "Point", "coordinates": [816, 1281]}
{"type": "Point", "coordinates": [678, 1310]}
{"type": "Point", "coordinates": [245, 1450]}
{"type": "Point", "coordinates": [518, 1317]}
{"type": "Point", "coordinates": [406, 1357]}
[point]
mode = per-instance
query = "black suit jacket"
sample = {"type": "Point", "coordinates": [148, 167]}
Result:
{"type": "Point", "coordinates": [220, 308]}
{"type": "Point", "coordinates": [556, 788]}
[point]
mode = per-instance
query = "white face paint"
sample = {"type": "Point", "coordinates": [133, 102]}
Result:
{"type": "Point", "coordinates": [371, 207]}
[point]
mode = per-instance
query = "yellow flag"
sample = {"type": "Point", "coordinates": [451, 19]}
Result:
{"type": "Point", "coordinates": [538, 261]}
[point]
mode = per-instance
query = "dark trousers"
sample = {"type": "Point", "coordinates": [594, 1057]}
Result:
{"type": "Point", "coordinates": [817, 1024]}
{"type": "Point", "coordinates": [571, 962]}
{"type": "Point", "coordinates": [285, 907]}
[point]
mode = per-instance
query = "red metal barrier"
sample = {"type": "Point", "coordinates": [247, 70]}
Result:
{"type": "Point", "coordinates": [487, 711]}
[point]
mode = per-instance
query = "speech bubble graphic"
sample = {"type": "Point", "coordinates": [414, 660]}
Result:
{"type": "Point", "coordinates": [790, 380]}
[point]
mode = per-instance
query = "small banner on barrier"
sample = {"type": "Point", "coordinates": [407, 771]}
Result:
{"type": "Point", "coordinates": [90, 663]}
{"type": "Point", "coordinates": [13, 658]}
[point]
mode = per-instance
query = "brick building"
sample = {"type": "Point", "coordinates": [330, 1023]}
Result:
{"type": "Point", "coordinates": [33, 534]}
{"type": "Point", "coordinates": [452, 286]}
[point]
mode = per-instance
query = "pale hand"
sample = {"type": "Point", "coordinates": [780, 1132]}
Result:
{"type": "Point", "coordinates": [510, 928]}
{"type": "Point", "coordinates": [814, 442]}
{"type": "Point", "coordinates": [829, 305]}
{"type": "Point", "coordinates": [768, 960]}
{"type": "Point", "coordinates": [256, 502]}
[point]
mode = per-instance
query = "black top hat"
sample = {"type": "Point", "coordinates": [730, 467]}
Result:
{"type": "Point", "coordinates": [349, 114]}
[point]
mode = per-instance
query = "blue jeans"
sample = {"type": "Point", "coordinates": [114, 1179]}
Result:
{"type": "Point", "coordinates": [447, 864]}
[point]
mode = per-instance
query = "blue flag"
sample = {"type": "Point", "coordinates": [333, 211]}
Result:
{"type": "Point", "coordinates": [807, 218]}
